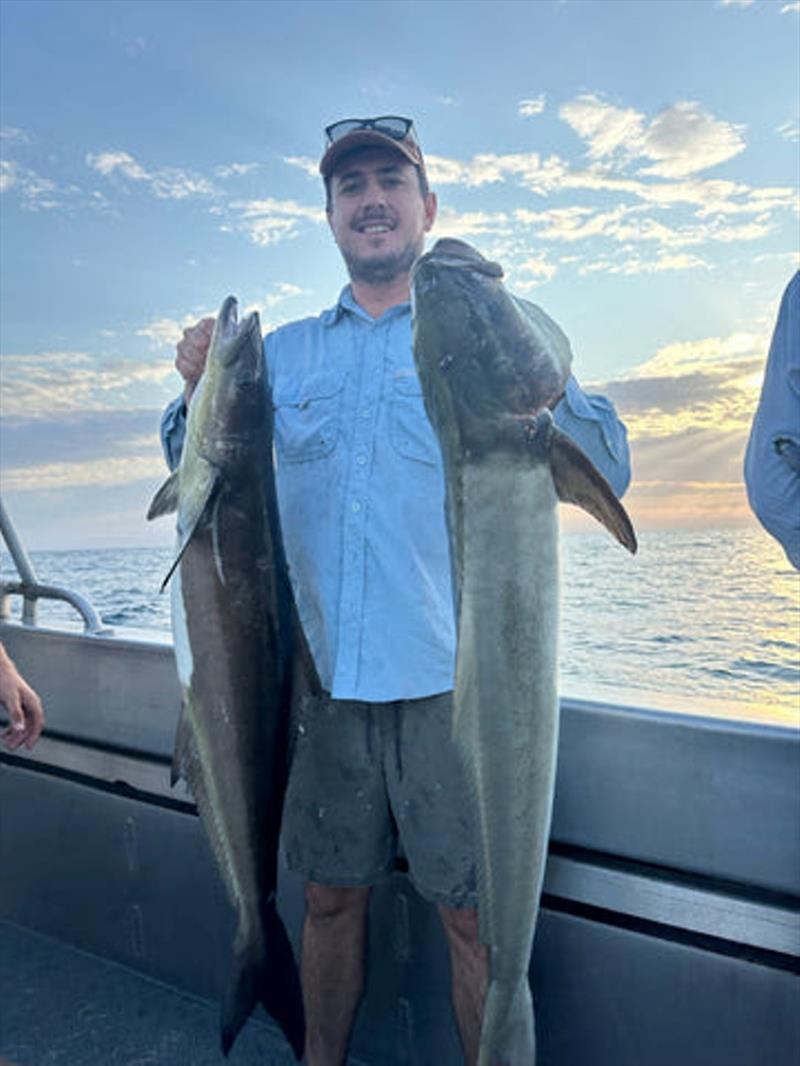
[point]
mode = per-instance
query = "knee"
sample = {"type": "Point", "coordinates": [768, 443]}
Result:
{"type": "Point", "coordinates": [328, 902]}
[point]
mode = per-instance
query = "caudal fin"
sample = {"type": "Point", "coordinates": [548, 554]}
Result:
{"type": "Point", "coordinates": [507, 1035]}
{"type": "Point", "coordinates": [269, 977]}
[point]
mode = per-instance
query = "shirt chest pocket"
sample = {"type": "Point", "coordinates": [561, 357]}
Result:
{"type": "Point", "coordinates": [410, 431]}
{"type": "Point", "coordinates": [307, 417]}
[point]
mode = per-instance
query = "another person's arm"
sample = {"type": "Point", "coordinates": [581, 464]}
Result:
{"type": "Point", "coordinates": [771, 471]}
{"type": "Point", "coordinates": [24, 706]}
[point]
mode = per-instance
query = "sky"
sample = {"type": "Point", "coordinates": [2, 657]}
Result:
{"type": "Point", "coordinates": [633, 166]}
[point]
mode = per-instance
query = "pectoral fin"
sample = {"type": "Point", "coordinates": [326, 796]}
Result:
{"type": "Point", "coordinates": [165, 500]}
{"type": "Point", "coordinates": [578, 481]}
{"type": "Point", "coordinates": [193, 507]}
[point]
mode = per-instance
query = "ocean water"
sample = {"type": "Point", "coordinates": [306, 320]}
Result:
{"type": "Point", "coordinates": [705, 622]}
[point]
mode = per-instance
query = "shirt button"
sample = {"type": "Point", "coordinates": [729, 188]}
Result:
{"type": "Point", "coordinates": [356, 506]}
{"type": "Point", "coordinates": [365, 413]}
{"type": "Point", "coordinates": [361, 459]}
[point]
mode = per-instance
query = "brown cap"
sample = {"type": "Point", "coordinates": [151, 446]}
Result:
{"type": "Point", "coordinates": [369, 138]}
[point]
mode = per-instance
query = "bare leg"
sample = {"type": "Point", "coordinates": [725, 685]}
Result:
{"type": "Point", "coordinates": [469, 968]}
{"type": "Point", "coordinates": [334, 936]}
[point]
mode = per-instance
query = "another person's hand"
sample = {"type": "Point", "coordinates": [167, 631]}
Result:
{"type": "Point", "coordinates": [23, 705]}
{"type": "Point", "coordinates": [192, 350]}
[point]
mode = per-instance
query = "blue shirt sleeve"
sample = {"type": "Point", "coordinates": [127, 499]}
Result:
{"type": "Point", "coordinates": [770, 465]}
{"type": "Point", "coordinates": [592, 422]}
{"type": "Point", "coordinates": [173, 431]}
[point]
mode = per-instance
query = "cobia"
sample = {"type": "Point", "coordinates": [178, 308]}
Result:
{"type": "Point", "coordinates": [235, 638]}
{"type": "Point", "coordinates": [490, 366]}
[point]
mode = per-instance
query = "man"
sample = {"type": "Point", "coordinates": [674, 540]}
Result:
{"type": "Point", "coordinates": [361, 495]}
{"type": "Point", "coordinates": [772, 461]}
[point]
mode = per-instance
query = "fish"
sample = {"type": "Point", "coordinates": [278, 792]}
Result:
{"type": "Point", "coordinates": [491, 367]}
{"type": "Point", "coordinates": [240, 657]}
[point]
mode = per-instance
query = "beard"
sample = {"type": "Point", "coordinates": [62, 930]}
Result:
{"type": "Point", "coordinates": [384, 269]}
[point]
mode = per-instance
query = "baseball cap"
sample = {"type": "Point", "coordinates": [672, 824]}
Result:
{"type": "Point", "coordinates": [385, 131]}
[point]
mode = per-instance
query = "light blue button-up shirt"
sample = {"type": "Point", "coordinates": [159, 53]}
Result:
{"type": "Point", "coordinates": [361, 497]}
{"type": "Point", "coordinates": [772, 460]}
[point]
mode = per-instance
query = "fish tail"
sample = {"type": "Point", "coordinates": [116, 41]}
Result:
{"type": "Point", "coordinates": [265, 972]}
{"type": "Point", "coordinates": [507, 1035]}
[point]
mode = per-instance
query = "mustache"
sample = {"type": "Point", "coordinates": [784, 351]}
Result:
{"type": "Point", "coordinates": [372, 214]}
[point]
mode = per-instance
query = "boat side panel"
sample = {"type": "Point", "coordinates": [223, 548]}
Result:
{"type": "Point", "coordinates": [706, 797]}
{"type": "Point", "coordinates": [134, 882]}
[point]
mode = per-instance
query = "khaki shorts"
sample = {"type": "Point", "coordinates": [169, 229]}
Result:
{"type": "Point", "coordinates": [371, 782]}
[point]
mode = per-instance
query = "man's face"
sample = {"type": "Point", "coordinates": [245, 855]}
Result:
{"type": "Point", "coordinates": [378, 214]}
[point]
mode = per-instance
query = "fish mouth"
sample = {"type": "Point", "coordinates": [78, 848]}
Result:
{"type": "Point", "coordinates": [232, 332]}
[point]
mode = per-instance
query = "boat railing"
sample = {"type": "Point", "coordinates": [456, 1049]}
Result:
{"type": "Point", "coordinates": [32, 590]}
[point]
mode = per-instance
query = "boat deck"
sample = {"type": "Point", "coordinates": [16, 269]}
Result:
{"type": "Point", "coordinates": [71, 1008]}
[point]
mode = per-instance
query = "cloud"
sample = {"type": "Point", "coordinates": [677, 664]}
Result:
{"type": "Point", "coordinates": [165, 332]}
{"type": "Point", "coordinates": [81, 449]}
{"type": "Point", "coordinates": [605, 128]}
{"type": "Point", "coordinates": [532, 272]}
{"type": "Point", "coordinates": [100, 473]}
{"type": "Point", "coordinates": [451, 223]}
{"type": "Point", "coordinates": [168, 183]}
{"type": "Point", "coordinates": [35, 192]}
{"type": "Point", "coordinates": [60, 381]}
{"type": "Point", "coordinates": [688, 409]}
{"type": "Point", "coordinates": [527, 168]}
{"type": "Point", "coordinates": [789, 131]}
{"type": "Point", "coordinates": [638, 265]}
{"type": "Point", "coordinates": [14, 135]}
{"type": "Point", "coordinates": [282, 290]}
{"type": "Point", "coordinates": [532, 106]}
{"type": "Point", "coordinates": [684, 139]}
{"type": "Point", "coordinates": [681, 139]}
{"type": "Point", "coordinates": [235, 170]}
{"type": "Point", "coordinates": [269, 221]}
{"type": "Point", "coordinates": [711, 383]}
{"type": "Point", "coordinates": [793, 7]}
{"type": "Point", "coordinates": [735, 3]}
{"type": "Point", "coordinates": [304, 163]}
{"type": "Point", "coordinates": [77, 436]}
{"type": "Point", "coordinates": [626, 224]}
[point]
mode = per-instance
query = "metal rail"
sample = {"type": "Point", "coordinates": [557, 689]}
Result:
{"type": "Point", "coordinates": [31, 589]}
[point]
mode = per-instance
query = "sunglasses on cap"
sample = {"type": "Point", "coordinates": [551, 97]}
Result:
{"type": "Point", "coordinates": [394, 126]}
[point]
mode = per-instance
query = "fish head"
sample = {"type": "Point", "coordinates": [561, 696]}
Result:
{"type": "Point", "coordinates": [482, 355]}
{"type": "Point", "coordinates": [231, 390]}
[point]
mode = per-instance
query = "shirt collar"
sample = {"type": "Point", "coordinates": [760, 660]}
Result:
{"type": "Point", "coordinates": [347, 303]}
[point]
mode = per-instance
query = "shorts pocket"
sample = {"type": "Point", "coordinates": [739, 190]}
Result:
{"type": "Point", "coordinates": [307, 417]}
{"type": "Point", "coordinates": [410, 431]}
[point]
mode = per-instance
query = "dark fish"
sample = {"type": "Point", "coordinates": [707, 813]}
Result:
{"type": "Point", "coordinates": [235, 638]}
{"type": "Point", "coordinates": [490, 366]}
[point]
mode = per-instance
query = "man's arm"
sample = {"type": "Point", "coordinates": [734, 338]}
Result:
{"type": "Point", "coordinates": [771, 473]}
{"type": "Point", "coordinates": [592, 422]}
{"type": "Point", "coordinates": [190, 361]}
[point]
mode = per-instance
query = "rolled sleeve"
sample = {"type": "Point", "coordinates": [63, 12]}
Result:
{"type": "Point", "coordinates": [592, 422]}
{"type": "Point", "coordinates": [173, 431]}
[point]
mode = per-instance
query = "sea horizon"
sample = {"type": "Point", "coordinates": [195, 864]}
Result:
{"type": "Point", "coordinates": [702, 622]}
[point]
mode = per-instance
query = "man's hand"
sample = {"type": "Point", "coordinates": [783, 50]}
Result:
{"type": "Point", "coordinates": [191, 355]}
{"type": "Point", "coordinates": [24, 706]}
